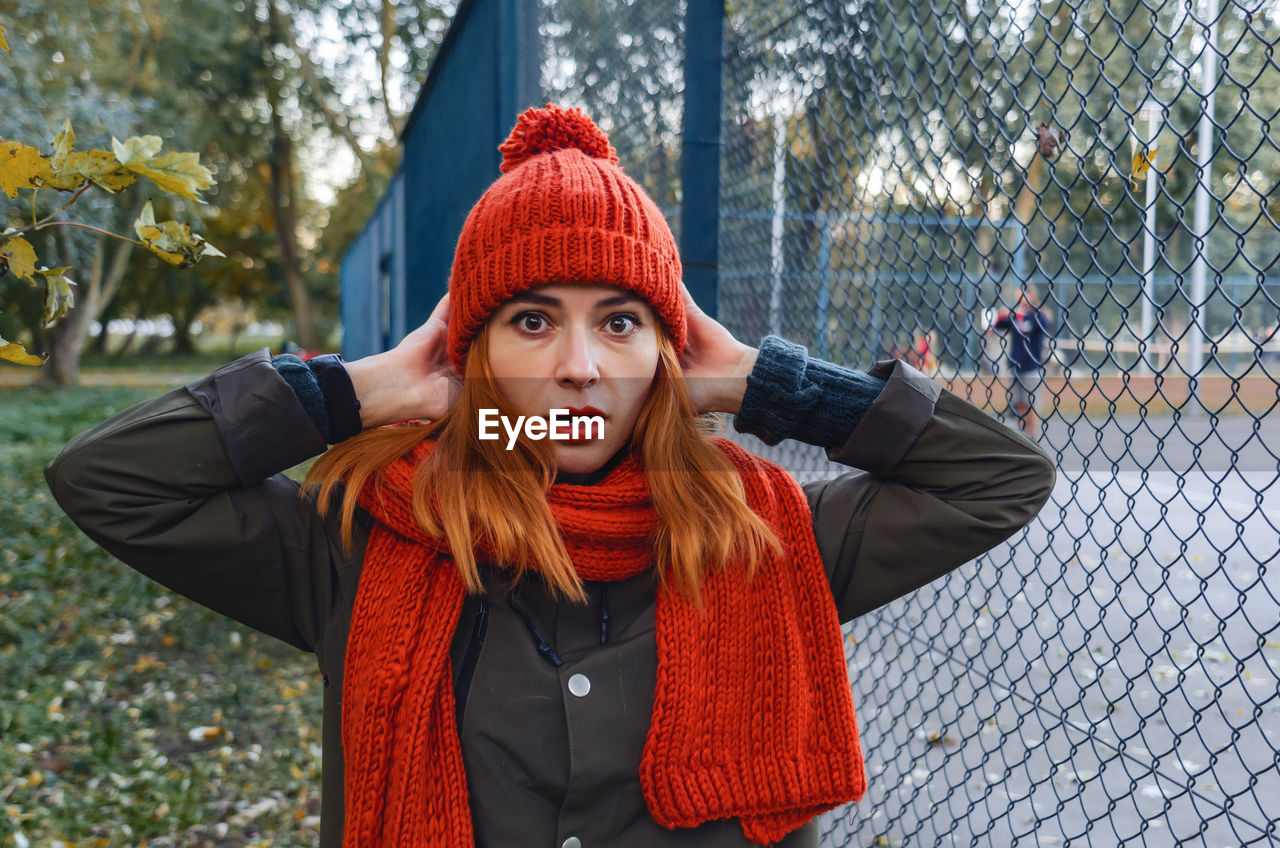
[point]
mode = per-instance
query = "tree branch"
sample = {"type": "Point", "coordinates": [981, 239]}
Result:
{"type": "Point", "coordinates": [384, 61]}
{"type": "Point", "coordinates": [95, 272]}
{"type": "Point", "coordinates": [93, 229]}
{"type": "Point", "coordinates": [44, 222]}
{"type": "Point", "coordinates": [119, 261]}
{"type": "Point", "coordinates": [280, 23]}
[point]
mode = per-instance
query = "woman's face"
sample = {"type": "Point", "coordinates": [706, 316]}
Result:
{"type": "Point", "coordinates": [576, 345]}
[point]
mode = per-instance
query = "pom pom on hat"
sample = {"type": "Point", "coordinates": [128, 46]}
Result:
{"type": "Point", "coordinates": [553, 128]}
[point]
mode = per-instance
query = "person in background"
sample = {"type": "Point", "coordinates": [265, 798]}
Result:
{"type": "Point", "coordinates": [925, 358]}
{"type": "Point", "coordinates": [1028, 325]}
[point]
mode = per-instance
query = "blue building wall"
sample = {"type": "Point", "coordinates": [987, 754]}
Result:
{"type": "Point", "coordinates": [373, 280]}
{"type": "Point", "coordinates": [484, 75]}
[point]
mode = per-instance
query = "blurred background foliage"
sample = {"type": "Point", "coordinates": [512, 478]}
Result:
{"type": "Point", "coordinates": [295, 105]}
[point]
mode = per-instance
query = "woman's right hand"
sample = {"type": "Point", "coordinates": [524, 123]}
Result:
{"type": "Point", "coordinates": [415, 379]}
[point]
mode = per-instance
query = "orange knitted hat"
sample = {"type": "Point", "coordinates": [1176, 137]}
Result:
{"type": "Point", "coordinates": [562, 211]}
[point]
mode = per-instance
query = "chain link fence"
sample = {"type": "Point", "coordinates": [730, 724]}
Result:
{"type": "Point", "coordinates": [917, 180]}
{"type": "Point", "coordinates": [584, 44]}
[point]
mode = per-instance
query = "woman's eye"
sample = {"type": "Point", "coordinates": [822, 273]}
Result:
{"type": "Point", "coordinates": [618, 323]}
{"type": "Point", "coordinates": [521, 321]}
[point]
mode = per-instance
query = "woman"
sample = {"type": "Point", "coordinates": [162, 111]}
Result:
{"type": "Point", "coordinates": [625, 640]}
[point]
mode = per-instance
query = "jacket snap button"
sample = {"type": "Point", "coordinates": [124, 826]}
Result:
{"type": "Point", "coordinates": [580, 686]}
{"type": "Point", "coordinates": [572, 841]}
{"type": "Point", "coordinates": [326, 680]}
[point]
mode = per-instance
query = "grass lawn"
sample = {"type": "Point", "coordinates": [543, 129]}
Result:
{"type": "Point", "coordinates": [130, 715]}
{"type": "Point", "coordinates": [140, 367]}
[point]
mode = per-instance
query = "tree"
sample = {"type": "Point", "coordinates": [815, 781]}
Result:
{"type": "Point", "coordinates": [23, 167]}
{"type": "Point", "coordinates": [68, 171]}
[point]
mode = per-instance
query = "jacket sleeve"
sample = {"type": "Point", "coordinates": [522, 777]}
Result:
{"type": "Point", "coordinates": [1048, 323]}
{"type": "Point", "coordinates": [188, 489]}
{"type": "Point", "coordinates": [939, 482]}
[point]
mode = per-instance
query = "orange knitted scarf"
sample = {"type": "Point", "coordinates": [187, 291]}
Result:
{"type": "Point", "coordinates": [752, 714]}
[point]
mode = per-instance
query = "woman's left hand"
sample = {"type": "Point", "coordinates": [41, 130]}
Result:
{"type": "Point", "coordinates": [715, 364]}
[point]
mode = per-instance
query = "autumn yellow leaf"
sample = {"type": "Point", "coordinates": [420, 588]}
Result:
{"type": "Point", "coordinates": [63, 143]}
{"type": "Point", "coordinates": [136, 149]}
{"type": "Point", "coordinates": [20, 258]}
{"type": "Point", "coordinates": [1142, 162]}
{"type": "Point", "coordinates": [73, 168]}
{"type": "Point", "coordinates": [172, 241]}
{"type": "Point", "coordinates": [97, 166]}
{"type": "Point", "coordinates": [58, 297]}
{"type": "Point", "coordinates": [4, 45]}
{"type": "Point", "coordinates": [146, 662]}
{"type": "Point", "coordinates": [14, 352]}
{"type": "Point", "coordinates": [205, 734]}
{"type": "Point", "coordinates": [176, 173]}
{"type": "Point", "coordinates": [20, 166]}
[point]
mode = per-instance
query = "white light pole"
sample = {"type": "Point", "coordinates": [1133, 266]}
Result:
{"type": "Point", "coordinates": [779, 209]}
{"type": "Point", "coordinates": [1204, 163]}
{"type": "Point", "coordinates": [1146, 143]}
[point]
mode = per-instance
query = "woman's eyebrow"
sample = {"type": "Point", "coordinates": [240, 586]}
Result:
{"type": "Point", "coordinates": [547, 300]}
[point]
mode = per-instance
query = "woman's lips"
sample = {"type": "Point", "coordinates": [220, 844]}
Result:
{"type": "Point", "coordinates": [585, 411]}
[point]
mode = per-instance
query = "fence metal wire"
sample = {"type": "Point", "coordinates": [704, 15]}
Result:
{"type": "Point", "coordinates": [585, 43]}
{"type": "Point", "coordinates": [899, 172]}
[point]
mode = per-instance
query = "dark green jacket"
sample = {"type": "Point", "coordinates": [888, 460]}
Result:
{"type": "Point", "coordinates": [188, 489]}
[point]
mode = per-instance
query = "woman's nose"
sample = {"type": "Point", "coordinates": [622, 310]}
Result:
{"type": "Point", "coordinates": [577, 361]}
